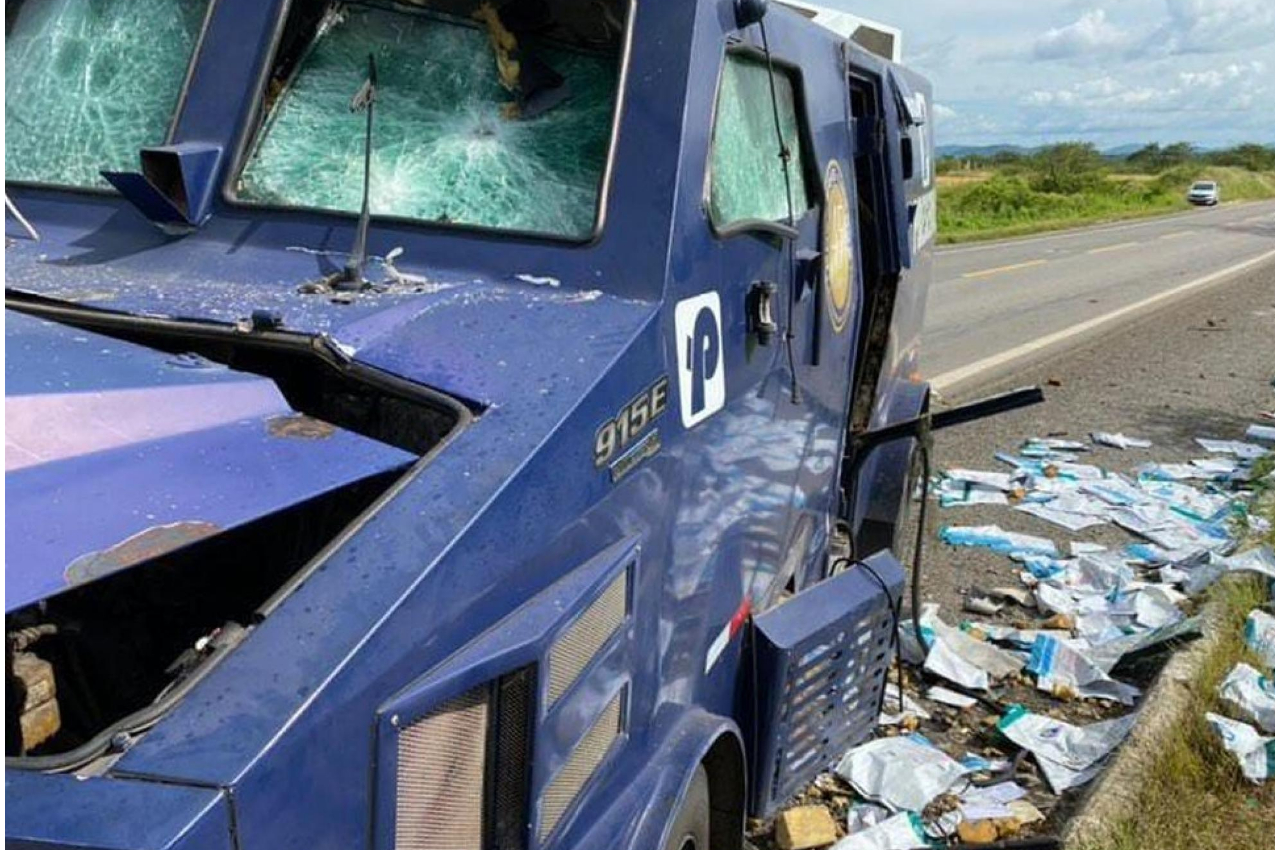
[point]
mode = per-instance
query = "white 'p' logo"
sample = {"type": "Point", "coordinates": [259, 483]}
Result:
{"type": "Point", "coordinates": [700, 356]}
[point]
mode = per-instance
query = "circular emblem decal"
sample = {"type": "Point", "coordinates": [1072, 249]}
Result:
{"type": "Point", "coordinates": [837, 248]}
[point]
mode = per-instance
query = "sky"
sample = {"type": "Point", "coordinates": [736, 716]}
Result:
{"type": "Point", "coordinates": [1111, 72]}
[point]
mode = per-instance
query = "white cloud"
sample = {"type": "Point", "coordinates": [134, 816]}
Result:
{"type": "Point", "coordinates": [943, 113]}
{"type": "Point", "coordinates": [1109, 71]}
{"type": "Point", "coordinates": [1090, 34]}
{"type": "Point", "coordinates": [1212, 26]}
{"type": "Point", "coordinates": [1231, 86]}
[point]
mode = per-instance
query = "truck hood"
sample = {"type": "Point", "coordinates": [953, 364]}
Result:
{"type": "Point", "coordinates": [117, 453]}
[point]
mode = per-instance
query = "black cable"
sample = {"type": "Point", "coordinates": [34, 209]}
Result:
{"type": "Point", "coordinates": [917, 559]}
{"type": "Point", "coordinates": [784, 153]}
{"type": "Point", "coordinates": [895, 609]}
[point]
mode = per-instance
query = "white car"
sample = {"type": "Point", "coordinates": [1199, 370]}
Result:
{"type": "Point", "coordinates": [1203, 193]}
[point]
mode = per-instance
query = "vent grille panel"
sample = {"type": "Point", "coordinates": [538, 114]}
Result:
{"type": "Point", "coordinates": [582, 641]}
{"type": "Point", "coordinates": [511, 775]}
{"type": "Point", "coordinates": [440, 777]}
{"type": "Point", "coordinates": [575, 772]}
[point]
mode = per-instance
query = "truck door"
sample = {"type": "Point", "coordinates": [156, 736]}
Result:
{"type": "Point", "coordinates": [897, 217]}
{"type": "Point", "coordinates": [744, 226]}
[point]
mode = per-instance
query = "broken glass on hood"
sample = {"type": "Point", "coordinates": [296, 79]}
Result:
{"type": "Point", "coordinates": [448, 142]}
{"type": "Point", "coordinates": [90, 82]}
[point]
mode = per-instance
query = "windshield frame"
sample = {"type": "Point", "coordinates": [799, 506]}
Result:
{"type": "Point", "coordinates": [171, 132]}
{"type": "Point", "coordinates": [257, 116]}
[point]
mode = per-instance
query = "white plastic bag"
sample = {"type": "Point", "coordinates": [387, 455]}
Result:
{"type": "Point", "coordinates": [1069, 755]}
{"type": "Point", "coordinates": [1250, 693]}
{"type": "Point", "coordinates": [904, 773]}
{"type": "Point", "coordinates": [1255, 753]}
{"type": "Point", "coordinates": [1260, 636]}
{"type": "Point", "coordinates": [903, 831]}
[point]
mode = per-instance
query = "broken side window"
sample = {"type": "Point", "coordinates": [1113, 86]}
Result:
{"type": "Point", "coordinates": [485, 116]}
{"type": "Point", "coordinates": [90, 82]}
{"type": "Point", "coordinates": [746, 174]}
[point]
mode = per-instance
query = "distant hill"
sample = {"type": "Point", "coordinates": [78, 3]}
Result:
{"type": "Point", "coordinates": [1123, 150]}
{"type": "Point", "coordinates": [982, 150]}
{"type": "Point", "coordinates": [1113, 152]}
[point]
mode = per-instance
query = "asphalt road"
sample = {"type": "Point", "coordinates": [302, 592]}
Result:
{"type": "Point", "coordinates": [1199, 367]}
{"type": "Point", "coordinates": [997, 305]}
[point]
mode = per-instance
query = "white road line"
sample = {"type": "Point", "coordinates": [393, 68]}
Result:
{"type": "Point", "coordinates": [1151, 221]}
{"type": "Point", "coordinates": [955, 376]}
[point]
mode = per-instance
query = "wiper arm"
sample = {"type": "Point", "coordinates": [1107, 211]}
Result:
{"type": "Point", "coordinates": [26, 225]}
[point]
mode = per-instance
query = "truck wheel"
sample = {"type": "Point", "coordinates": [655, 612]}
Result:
{"type": "Point", "coordinates": [691, 830]}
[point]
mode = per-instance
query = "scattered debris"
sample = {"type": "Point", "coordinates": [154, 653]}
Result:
{"type": "Point", "coordinates": [982, 605]}
{"type": "Point", "coordinates": [804, 827]}
{"type": "Point", "coordinates": [997, 539]}
{"type": "Point", "coordinates": [1068, 755]}
{"type": "Point", "coordinates": [905, 773]}
{"type": "Point", "coordinates": [946, 696]}
{"type": "Point", "coordinates": [903, 831]}
{"type": "Point", "coordinates": [1255, 753]}
{"type": "Point", "coordinates": [1046, 665]}
{"type": "Point", "coordinates": [1260, 636]}
{"type": "Point", "coordinates": [1060, 669]}
{"type": "Point", "coordinates": [1119, 441]}
{"type": "Point", "coordinates": [1266, 433]}
{"type": "Point", "coordinates": [1251, 695]}
{"type": "Point", "coordinates": [911, 710]}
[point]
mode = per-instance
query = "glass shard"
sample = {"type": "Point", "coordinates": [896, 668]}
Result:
{"type": "Point", "coordinates": [442, 150]}
{"type": "Point", "coordinates": [90, 82]}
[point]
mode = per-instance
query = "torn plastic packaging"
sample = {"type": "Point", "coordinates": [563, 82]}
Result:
{"type": "Point", "coordinates": [997, 539]}
{"type": "Point", "coordinates": [904, 773]}
{"type": "Point", "coordinates": [903, 831]}
{"type": "Point", "coordinates": [1119, 441]}
{"type": "Point", "coordinates": [1068, 755]}
{"type": "Point", "coordinates": [1058, 667]}
{"type": "Point", "coordinates": [1252, 695]}
{"type": "Point", "coordinates": [1255, 753]}
{"type": "Point", "coordinates": [1260, 636]}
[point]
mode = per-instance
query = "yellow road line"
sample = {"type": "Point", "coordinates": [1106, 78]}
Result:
{"type": "Point", "coordinates": [1105, 248]}
{"type": "Point", "coordinates": [999, 269]}
{"type": "Point", "coordinates": [950, 379]}
{"type": "Point", "coordinates": [1176, 234]}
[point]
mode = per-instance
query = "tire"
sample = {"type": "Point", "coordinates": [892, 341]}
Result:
{"type": "Point", "coordinates": [691, 829]}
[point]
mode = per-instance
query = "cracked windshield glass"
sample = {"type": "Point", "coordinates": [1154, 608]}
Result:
{"type": "Point", "coordinates": [492, 120]}
{"type": "Point", "coordinates": [88, 84]}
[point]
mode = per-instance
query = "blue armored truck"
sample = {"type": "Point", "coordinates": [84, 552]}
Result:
{"type": "Point", "coordinates": [444, 424]}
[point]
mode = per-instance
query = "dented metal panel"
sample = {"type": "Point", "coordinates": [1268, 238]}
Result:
{"type": "Point", "coordinates": [132, 453]}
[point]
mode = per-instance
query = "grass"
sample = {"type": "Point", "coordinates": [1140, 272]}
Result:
{"type": "Point", "coordinates": [1006, 202]}
{"type": "Point", "coordinates": [1196, 798]}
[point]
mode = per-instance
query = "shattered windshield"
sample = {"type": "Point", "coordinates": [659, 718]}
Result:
{"type": "Point", "coordinates": [90, 82]}
{"type": "Point", "coordinates": [496, 117]}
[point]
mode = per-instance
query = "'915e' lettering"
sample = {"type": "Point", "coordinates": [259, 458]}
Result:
{"type": "Point", "coordinates": [620, 431]}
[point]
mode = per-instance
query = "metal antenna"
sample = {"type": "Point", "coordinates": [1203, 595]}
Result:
{"type": "Point", "coordinates": [353, 274]}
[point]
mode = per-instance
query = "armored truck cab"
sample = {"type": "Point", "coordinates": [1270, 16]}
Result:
{"type": "Point", "coordinates": [433, 424]}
